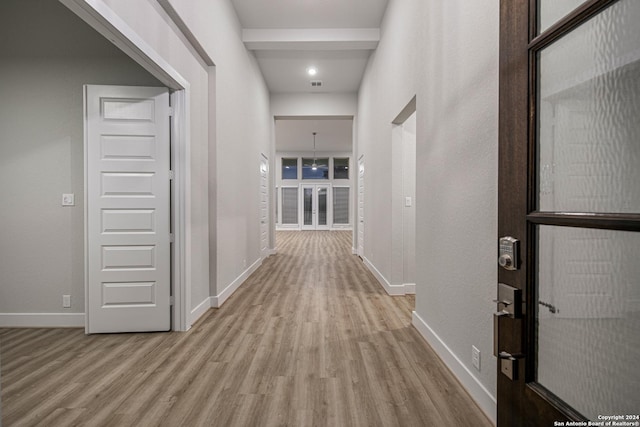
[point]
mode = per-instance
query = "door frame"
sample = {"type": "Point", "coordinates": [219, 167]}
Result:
{"type": "Point", "coordinates": [264, 160]}
{"type": "Point", "coordinates": [101, 18]}
{"type": "Point", "coordinates": [360, 208]}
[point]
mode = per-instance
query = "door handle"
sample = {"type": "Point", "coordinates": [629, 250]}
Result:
{"type": "Point", "coordinates": [509, 303]}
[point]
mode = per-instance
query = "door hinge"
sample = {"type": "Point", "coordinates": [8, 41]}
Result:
{"type": "Point", "coordinates": [172, 238]}
{"type": "Point", "coordinates": [172, 111]}
{"type": "Point", "coordinates": [172, 175]}
{"type": "Point", "coordinates": [172, 300]}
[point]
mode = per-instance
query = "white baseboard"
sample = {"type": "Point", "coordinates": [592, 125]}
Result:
{"type": "Point", "coordinates": [485, 400]}
{"type": "Point", "coordinates": [41, 320]}
{"type": "Point", "coordinates": [393, 290]}
{"type": "Point", "coordinates": [218, 300]}
{"type": "Point", "coordinates": [409, 288]}
{"type": "Point", "coordinates": [200, 310]}
{"type": "Point", "coordinates": [272, 251]}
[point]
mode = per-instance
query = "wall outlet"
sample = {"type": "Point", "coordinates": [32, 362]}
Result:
{"type": "Point", "coordinates": [66, 301]}
{"type": "Point", "coordinates": [475, 357]}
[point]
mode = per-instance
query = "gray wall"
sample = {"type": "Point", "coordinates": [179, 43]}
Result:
{"type": "Point", "coordinates": [50, 55]}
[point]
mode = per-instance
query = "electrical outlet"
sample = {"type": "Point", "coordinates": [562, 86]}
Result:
{"type": "Point", "coordinates": [66, 301]}
{"type": "Point", "coordinates": [475, 357]}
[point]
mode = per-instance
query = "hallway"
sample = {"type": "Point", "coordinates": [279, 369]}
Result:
{"type": "Point", "coordinates": [309, 339]}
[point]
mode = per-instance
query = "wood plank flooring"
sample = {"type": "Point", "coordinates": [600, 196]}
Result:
{"type": "Point", "coordinates": [310, 339]}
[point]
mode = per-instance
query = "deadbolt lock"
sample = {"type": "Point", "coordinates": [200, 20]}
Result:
{"type": "Point", "coordinates": [508, 253]}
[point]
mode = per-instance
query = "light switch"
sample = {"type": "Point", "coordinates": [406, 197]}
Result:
{"type": "Point", "coordinates": [407, 201]}
{"type": "Point", "coordinates": [68, 199]}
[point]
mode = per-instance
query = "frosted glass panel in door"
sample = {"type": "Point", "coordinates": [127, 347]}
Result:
{"type": "Point", "coordinates": [308, 206]}
{"type": "Point", "coordinates": [551, 11]}
{"type": "Point", "coordinates": [588, 318]}
{"type": "Point", "coordinates": [322, 206]}
{"type": "Point", "coordinates": [589, 116]}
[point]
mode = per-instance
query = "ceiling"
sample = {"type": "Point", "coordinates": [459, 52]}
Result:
{"type": "Point", "coordinates": [289, 36]}
{"type": "Point", "coordinates": [47, 29]}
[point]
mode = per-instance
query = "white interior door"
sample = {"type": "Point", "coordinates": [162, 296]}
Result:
{"type": "Point", "coordinates": [315, 207]}
{"type": "Point", "coordinates": [361, 207]}
{"type": "Point", "coordinates": [127, 151]}
{"type": "Point", "coordinates": [264, 206]}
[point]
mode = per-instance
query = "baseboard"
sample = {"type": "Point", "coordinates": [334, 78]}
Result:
{"type": "Point", "coordinates": [485, 400]}
{"type": "Point", "coordinates": [272, 251]}
{"type": "Point", "coordinates": [200, 310]}
{"type": "Point", "coordinates": [409, 288]}
{"type": "Point", "coordinates": [41, 320]}
{"type": "Point", "coordinates": [218, 300]}
{"type": "Point", "coordinates": [394, 290]}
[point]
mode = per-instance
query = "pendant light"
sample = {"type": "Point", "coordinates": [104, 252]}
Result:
{"type": "Point", "coordinates": [314, 166]}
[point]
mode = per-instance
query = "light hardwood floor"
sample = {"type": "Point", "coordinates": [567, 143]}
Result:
{"type": "Point", "coordinates": [310, 339]}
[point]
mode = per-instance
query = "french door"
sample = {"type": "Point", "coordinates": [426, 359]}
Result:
{"type": "Point", "coordinates": [315, 206]}
{"type": "Point", "coordinates": [567, 326]}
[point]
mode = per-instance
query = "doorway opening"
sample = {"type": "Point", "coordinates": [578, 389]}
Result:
{"type": "Point", "coordinates": [314, 173]}
{"type": "Point", "coordinates": [403, 273]}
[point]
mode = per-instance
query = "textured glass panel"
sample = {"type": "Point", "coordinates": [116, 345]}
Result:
{"type": "Point", "coordinates": [340, 168]}
{"type": "Point", "coordinates": [320, 171]}
{"type": "Point", "coordinates": [289, 168]}
{"type": "Point", "coordinates": [308, 206]}
{"type": "Point", "coordinates": [290, 205]}
{"type": "Point", "coordinates": [341, 205]}
{"type": "Point", "coordinates": [588, 320]}
{"type": "Point", "coordinates": [589, 116]}
{"type": "Point", "coordinates": [322, 206]}
{"type": "Point", "coordinates": [551, 11]}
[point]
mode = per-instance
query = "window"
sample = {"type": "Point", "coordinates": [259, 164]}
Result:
{"type": "Point", "coordinates": [341, 205]}
{"type": "Point", "coordinates": [320, 171]}
{"type": "Point", "coordinates": [341, 168]}
{"type": "Point", "coordinates": [290, 168]}
{"type": "Point", "coordinates": [290, 205]}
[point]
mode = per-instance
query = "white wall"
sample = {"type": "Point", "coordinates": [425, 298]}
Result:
{"type": "Point", "coordinates": [41, 156]}
{"type": "Point", "coordinates": [314, 104]}
{"type": "Point", "coordinates": [244, 130]}
{"type": "Point", "coordinates": [454, 75]}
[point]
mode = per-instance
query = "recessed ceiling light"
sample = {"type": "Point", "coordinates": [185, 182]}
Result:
{"type": "Point", "coordinates": [312, 71]}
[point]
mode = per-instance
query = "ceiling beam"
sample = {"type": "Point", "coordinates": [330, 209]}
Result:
{"type": "Point", "coordinates": [311, 39]}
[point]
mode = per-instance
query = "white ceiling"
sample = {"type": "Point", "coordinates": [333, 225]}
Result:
{"type": "Point", "coordinates": [289, 36]}
{"type": "Point", "coordinates": [310, 13]}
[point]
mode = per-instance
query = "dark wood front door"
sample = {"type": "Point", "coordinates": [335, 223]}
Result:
{"type": "Point", "coordinates": [569, 192]}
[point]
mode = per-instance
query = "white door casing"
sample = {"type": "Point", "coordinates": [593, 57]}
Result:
{"type": "Point", "coordinates": [127, 160]}
{"type": "Point", "coordinates": [264, 207]}
{"type": "Point", "coordinates": [360, 224]}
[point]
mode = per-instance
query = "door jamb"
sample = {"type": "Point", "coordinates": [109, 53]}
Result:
{"type": "Point", "coordinates": [101, 18]}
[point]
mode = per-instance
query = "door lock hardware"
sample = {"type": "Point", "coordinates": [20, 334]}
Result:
{"type": "Point", "coordinates": [509, 303]}
{"type": "Point", "coordinates": [508, 253]}
{"type": "Point", "coordinates": [509, 300]}
{"type": "Point", "coordinates": [509, 364]}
